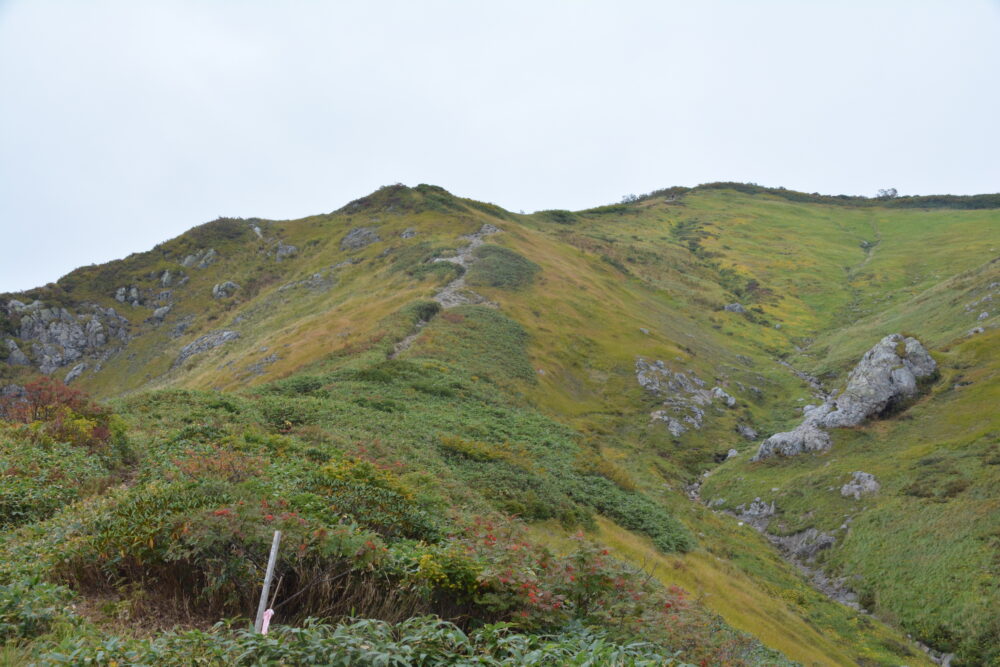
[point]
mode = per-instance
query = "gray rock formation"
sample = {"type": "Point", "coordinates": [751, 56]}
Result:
{"type": "Point", "coordinates": [209, 258]}
{"type": "Point", "coordinates": [204, 343]}
{"type": "Point", "coordinates": [806, 437]}
{"type": "Point", "coordinates": [359, 237]}
{"type": "Point", "coordinates": [166, 279]}
{"type": "Point", "coordinates": [805, 545]}
{"type": "Point", "coordinates": [285, 251]}
{"type": "Point", "coordinates": [129, 295]}
{"type": "Point", "coordinates": [684, 395]}
{"type": "Point", "coordinates": [746, 431]}
{"type": "Point", "coordinates": [59, 337]}
{"type": "Point", "coordinates": [15, 357]}
{"type": "Point", "coordinates": [735, 308]}
{"type": "Point", "coordinates": [720, 394]}
{"type": "Point", "coordinates": [201, 259]}
{"type": "Point", "coordinates": [160, 313]}
{"type": "Point", "coordinates": [883, 380]}
{"type": "Point", "coordinates": [224, 290]}
{"type": "Point", "coordinates": [76, 372]}
{"type": "Point", "coordinates": [983, 315]}
{"type": "Point", "coordinates": [731, 454]}
{"type": "Point", "coordinates": [408, 233]}
{"type": "Point", "coordinates": [861, 484]}
{"type": "Point", "coordinates": [758, 514]}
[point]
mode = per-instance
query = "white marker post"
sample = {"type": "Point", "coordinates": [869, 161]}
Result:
{"type": "Point", "coordinates": [259, 623]}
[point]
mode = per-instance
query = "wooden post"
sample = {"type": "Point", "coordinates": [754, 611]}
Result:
{"type": "Point", "coordinates": [267, 581]}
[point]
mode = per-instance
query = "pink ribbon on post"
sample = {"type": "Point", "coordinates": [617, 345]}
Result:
{"type": "Point", "coordinates": [267, 621]}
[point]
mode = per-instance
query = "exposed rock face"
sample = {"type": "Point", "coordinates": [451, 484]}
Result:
{"type": "Point", "coordinates": [735, 308]}
{"type": "Point", "coordinates": [806, 437]}
{"type": "Point", "coordinates": [160, 313]}
{"type": "Point", "coordinates": [224, 290]}
{"type": "Point", "coordinates": [720, 394]}
{"type": "Point", "coordinates": [805, 545]}
{"type": "Point", "coordinates": [746, 431]}
{"type": "Point", "coordinates": [861, 484]}
{"type": "Point", "coordinates": [359, 237]}
{"type": "Point", "coordinates": [884, 378]}
{"type": "Point", "coordinates": [15, 357]}
{"type": "Point", "coordinates": [204, 343]}
{"type": "Point", "coordinates": [201, 259]}
{"type": "Point", "coordinates": [684, 395]}
{"type": "Point", "coordinates": [76, 372]}
{"type": "Point", "coordinates": [408, 233]}
{"type": "Point", "coordinates": [59, 338]}
{"type": "Point", "coordinates": [129, 295]}
{"type": "Point", "coordinates": [285, 251]}
{"type": "Point", "coordinates": [758, 514]}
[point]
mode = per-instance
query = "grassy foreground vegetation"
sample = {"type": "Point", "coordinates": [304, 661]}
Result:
{"type": "Point", "coordinates": [480, 485]}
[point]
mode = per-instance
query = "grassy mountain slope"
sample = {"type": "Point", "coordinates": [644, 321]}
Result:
{"type": "Point", "coordinates": [533, 408]}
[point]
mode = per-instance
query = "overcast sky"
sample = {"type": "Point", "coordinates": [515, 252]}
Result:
{"type": "Point", "coordinates": [122, 124]}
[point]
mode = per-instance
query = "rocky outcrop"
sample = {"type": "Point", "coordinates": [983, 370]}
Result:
{"type": "Point", "coordinates": [861, 484]}
{"type": "Point", "coordinates": [805, 545]}
{"type": "Point", "coordinates": [748, 432]}
{"type": "Point", "coordinates": [224, 290]}
{"type": "Point", "coordinates": [359, 237]}
{"type": "Point", "coordinates": [159, 314]}
{"type": "Point", "coordinates": [15, 357]}
{"type": "Point", "coordinates": [285, 251]}
{"type": "Point", "coordinates": [129, 295]}
{"type": "Point", "coordinates": [408, 233]}
{"type": "Point", "coordinates": [885, 378]}
{"type": "Point", "coordinates": [59, 337]}
{"type": "Point", "coordinates": [735, 308]}
{"type": "Point", "coordinates": [685, 395]}
{"type": "Point", "coordinates": [204, 343]}
{"type": "Point", "coordinates": [806, 437]}
{"type": "Point", "coordinates": [76, 372]}
{"type": "Point", "coordinates": [758, 513]}
{"type": "Point", "coordinates": [201, 259]}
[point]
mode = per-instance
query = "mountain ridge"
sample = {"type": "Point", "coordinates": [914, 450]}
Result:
{"type": "Point", "coordinates": [719, 287]}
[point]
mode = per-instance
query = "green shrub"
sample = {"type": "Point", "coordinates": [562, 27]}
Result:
{"type": "Point", "coordinates": [416, 642]}
{"type": "Point", "coordinates": [500, 267]}
{"type": "Point", "coordinates": [29, 607]}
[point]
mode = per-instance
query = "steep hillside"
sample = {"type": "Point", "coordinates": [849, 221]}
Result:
{"type": "Point", "coordinates": [577, 370]}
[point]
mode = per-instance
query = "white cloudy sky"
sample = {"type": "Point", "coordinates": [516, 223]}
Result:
{"type": "Point", "coordinates": [125, 123]}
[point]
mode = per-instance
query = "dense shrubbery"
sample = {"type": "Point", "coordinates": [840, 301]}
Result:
{"type": "Point", "coordinates": [500, 267]}
{"type": "Point", "coordinates": [416, 642]}
{"type": "Point", "coordinates": [55, 445]}
{"type": "Point", "coordinates": [29, 607]}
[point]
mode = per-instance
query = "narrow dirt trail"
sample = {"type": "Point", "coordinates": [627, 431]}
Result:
{"type": "Point", "coordinates": [454, 293]}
